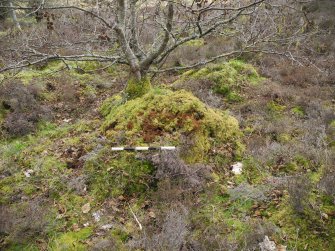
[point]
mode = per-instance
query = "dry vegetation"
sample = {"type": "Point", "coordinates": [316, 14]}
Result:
{"type": "Point", "coordinates": [62, 188]}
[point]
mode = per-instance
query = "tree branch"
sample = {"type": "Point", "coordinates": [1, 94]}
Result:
{"type": "Point", "coordinates": [109, 25]}
{"type": "Point", "coordinates": [145, 64]}
{"type": "Point", "coordinates": [120, 32]}
{"type": "Point", "coordinates": [47, 57]}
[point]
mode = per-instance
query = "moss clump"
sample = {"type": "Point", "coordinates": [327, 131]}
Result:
{"type": "Point", "coordinates": [275, 108]}
{"type": "Point", "coordinates": [72, 240]}
{"type": "Point", "coordinates": [228, 78]}
{"type": "Point", "coordinates": [121, 176]}
{"type": "Point", "coordinates": [90, 92]}
{"type": "Point", "coordinates": [303, 231]}
{"type": "Point", "coordinates": [137, 88]}
{"type": "Point", "coordinates": [111, 103]}
{"type": "Point", "coordinates": [89, 66]}
{"type": "Point", "coordinates": [26, 76]}
{"type": "Point", "coordinates": [163, 114]}
{"type": "Point", "coordinates": [298, 111]}
{"type": "Point", "coordinates": [284, 138]}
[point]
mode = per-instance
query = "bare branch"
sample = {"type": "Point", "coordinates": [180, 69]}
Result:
{"type": "Point", "coordinates": [120, 31]}
{"type": "Point", "coordinates": [46, 57]}
{"type": "Point", "coordinates": [109, 25]}
{"type": "Point", "coordinates": [145, 64]}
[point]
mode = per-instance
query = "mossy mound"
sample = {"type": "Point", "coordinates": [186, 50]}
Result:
{"type": "Point", "coordinates": [137, 88]}
{"type": "Point", "coordinates": [165, 116]}
{"type": "Point", "coordinates": [227, 78]}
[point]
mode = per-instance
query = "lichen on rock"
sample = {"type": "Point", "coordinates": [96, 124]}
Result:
{"type": "Point", "coordinates": [165, 116]}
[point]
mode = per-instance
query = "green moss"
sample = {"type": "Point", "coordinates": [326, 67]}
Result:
{"type": "Point", "coordinates": [233, 96]}
{"type": "Point", "coordinates": [84, 78]}
{"type": "Point", "coordinates": [110, 103]}
{"type": "Point", "coordinates": [89, 65]}
{"type": "Point", "coordinates": [166, 115]}
{"type": "Point", "coordinates": [253, 172]}
{"type": "Point", "coordinates": [71, 241]}
{"type": "Point", "coordinates": [28, 189]}
{"type": "Point", "coordinates": [284, 138]}
{"type": "Point", "coordinates": [26, 76]}
{"type": "Point", "coordinates": [89, 91]}
{"type": "Point", "coordinates": [218, 209]}
{"type": "Point", "coordinates": [20, 247]}
{"type": "Point", "coordinates": [298, 163]}
{"type": "Point", "coordinates": [12, 149]}
{"type": "Point", "coordinates": [72, 203]}
{"type": "Point", "coordinates": [290, 167]}
{"type": "Point", "coordinates": [137, 88]}
{"type": "Point", "coordinates": [195, 43]}
{"type": "Point", "coordinates": [275, 108]}
{"type": "Point", "coordinates": [298, 111]}
{"type": "Point", "coordinates": [114, 177]}
{"type": "Point", "coordinates": [227, 78]}
{"type": "Point", "coordinates": [120, 234]}
{"type": "Point", "coordinates": [50, 130]}
{"type": "Point", "coordinates": [303, 231]}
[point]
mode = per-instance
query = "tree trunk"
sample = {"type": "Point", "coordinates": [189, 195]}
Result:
{"type": "Point", "coordinates": [137, 87]}
{"type": "Point", "coordinates": [13, 15]}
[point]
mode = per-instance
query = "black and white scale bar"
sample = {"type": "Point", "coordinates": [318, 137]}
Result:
{"type": "Point", "coordinates": [144, 148]}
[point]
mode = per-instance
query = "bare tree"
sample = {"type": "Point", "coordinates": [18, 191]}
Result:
{"type": "Point", "coordinates": [144, 33]}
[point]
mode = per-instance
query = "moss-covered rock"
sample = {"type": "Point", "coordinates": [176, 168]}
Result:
{"type": "Point", "coordinates": [164, 116]}
{"type": "Point", "coordinates": [227, 78]}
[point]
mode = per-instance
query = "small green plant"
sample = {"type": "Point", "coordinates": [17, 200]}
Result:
{"type": "Point", "coordinates": [275, 108]}
{"type": "Point", "coordinates": [298, 111]}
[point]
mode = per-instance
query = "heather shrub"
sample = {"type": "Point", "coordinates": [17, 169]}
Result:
{"type": "Point", "coordinates": [299, 188]}
{"type": "Point", "coordinates": [171, 235]}
{"type": "Point", "coordinates": [21, 109]}
{"type": "Point", "coordinates": [23, 223]}
{"type": "Point", "coordinates": [327, 180]}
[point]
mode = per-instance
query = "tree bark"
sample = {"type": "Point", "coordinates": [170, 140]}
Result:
{"type": "Point", "coordinates": [120, 28]}
{"type": "Point", "coordinates": [13, 16]}
{"type": "Point", "coordinates": [147, 62]}
{"type": "Point", "coordinates": [134, 39]}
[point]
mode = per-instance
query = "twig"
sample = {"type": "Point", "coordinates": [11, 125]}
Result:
{"type": "Point", "coordinates": [136, 219]}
